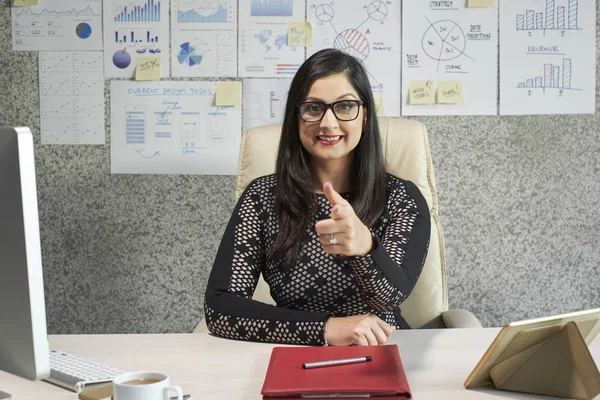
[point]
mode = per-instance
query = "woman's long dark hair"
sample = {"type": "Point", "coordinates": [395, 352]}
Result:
{"type": "Point", "coordinates": [294, 192]}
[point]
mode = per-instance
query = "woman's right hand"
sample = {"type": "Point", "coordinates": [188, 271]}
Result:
{"type": "Point", "coordinates": [360, 330]}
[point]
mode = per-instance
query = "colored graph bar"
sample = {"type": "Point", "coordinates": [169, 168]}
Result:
{"type": "Point", "coordinates": [573, 13]}
{"type": "Point", "coordinates": [548, 75]}
{"type": "Point", "coordinates": [550, 14]}
{"type": "Point", "coordinates": [561, 18]}
{"type": "Point", "coordinates": [539, 21]}
{"type": "Point", "coordinates": [529, 83]}
{"type": "Point", "coordinates": [556, 76]}
{"type": "Point", "coordinates": [567, 73]}
{"type": "Point", "coordinates": [149, 12]}
{"type": "Point", "coordinates": [538, 81]}
{"type": "Point", "coordinates": [530, 14]}
{"type": "Point", "coordinates": [520, 22]}
{"type": "Point", "coordinates": [272, 8]}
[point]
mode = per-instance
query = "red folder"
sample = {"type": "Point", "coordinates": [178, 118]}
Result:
{"type": "Point", "coordinates": [383, 377]}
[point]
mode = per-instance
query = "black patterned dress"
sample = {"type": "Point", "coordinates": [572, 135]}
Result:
{"type": "Point", "coordinates": [320, 285]}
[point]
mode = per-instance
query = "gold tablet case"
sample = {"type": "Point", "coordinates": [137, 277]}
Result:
{"type": "Point", "coordinates": [557, 365]}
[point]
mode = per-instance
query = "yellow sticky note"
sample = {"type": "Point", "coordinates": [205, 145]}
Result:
{"type": "Point", "coordinates": [299, 34]}
{"type": "Point", "coordinates": [379, 107]}
{"type": "Point", "coordinates": [22, 3]}
{"type": "Point", "coordinates": [228, 94]}
{"type": "Point", "coordinates": [147, 69]}
{"type": "Point", "coordinates": [449, 92]}
{"type": "Point", "coordinates": [480, 3]}
{"type": "Point", "coordinates": [421, 92]}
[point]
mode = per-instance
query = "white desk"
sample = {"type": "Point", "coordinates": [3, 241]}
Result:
{"type": "Point", "coordinates": [210, 368]}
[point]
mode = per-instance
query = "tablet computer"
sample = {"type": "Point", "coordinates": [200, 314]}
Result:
{"type": "Point", "coordinates": [515, 337]}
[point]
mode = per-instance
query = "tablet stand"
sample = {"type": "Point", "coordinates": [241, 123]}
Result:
{"type": "Point", "coordinates": [558, 365]}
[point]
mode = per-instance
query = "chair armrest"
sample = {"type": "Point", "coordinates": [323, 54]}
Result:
{"type": "Point", "coordinates": [460, 319]}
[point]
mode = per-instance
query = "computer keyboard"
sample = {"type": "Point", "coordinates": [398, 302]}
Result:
{"type": "Point", "coordinates": [75, 373]}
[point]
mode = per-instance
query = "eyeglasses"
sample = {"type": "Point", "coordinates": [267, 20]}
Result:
{"type": "Point", "coordinates": [344, 110]}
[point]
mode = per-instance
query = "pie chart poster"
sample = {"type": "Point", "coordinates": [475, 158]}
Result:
{"type": "Point", "coordinates": [445, 44]}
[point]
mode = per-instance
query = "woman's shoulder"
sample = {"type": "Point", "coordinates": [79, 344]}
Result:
{"type": "Point", "coordinates": [400, 188]}
{"type": "Point", "coordinates": [261, 186]}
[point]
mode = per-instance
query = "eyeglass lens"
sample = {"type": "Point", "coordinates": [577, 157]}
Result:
{"type": "Point", "coordinates": [345, 110]}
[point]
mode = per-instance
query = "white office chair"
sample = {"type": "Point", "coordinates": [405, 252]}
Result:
{"type": "Point", "coordinates": [407, 155]}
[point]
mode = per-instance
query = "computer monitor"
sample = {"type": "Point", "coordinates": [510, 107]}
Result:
{"type": "Point", "coordinates": [24, 349]}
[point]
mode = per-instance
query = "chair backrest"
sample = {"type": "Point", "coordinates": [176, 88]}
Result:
{"type": "Point", "coordinates": [407, 156]}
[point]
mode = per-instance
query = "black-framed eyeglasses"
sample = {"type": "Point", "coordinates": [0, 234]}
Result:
{"type": "Point", "coordinates": [344, 110]}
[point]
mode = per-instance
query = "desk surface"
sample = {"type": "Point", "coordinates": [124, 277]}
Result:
{"type": "Point", "coordinates": [436, 362]}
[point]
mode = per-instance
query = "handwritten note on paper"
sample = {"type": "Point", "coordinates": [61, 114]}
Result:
{"type": "Point", "coordinates": [421, 92]}
{"type": "Point", "coordinates": [22, 3]}
{"type": "Point", "coordinates": [480, 3]}
{"type": "Point", "coordinates": [299, 34]}
{"type": "Point", "coordinates": [379, 106]}
{"type": "Point", "coordinates": [449, 92]}
{"type": "Point", "coordinates": [228, 94]}
{"type": "Point", "coordinates": [147, 69]}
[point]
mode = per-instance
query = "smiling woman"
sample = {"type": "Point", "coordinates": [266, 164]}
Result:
{"type": "Point", "coordinates": [340, 242]}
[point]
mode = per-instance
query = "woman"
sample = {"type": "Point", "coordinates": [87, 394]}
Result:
{"type": "Point", "coordinates": [340, 242]}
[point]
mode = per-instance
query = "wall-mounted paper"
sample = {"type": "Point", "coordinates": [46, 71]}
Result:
{"type": "Point", "coordinates": [166, 127]}
{"type": "Point", "coordinates": [449, 92]}
{"type": "Point", "coordinates": [72, 97]}
{"type": "Point", "coordinates": [204, 38]}
{"type": "Point", "coordinates": [69, 25]}
{"type": "Point", "coordinates": [134, 29]}
{"type": "Point", "coordinates": [299, 34]}
{"type": "Point", "coordinates": [547, 57]}
{"type": "Point", "coordinates": [421, 92]}
{"type": "Point", "coordinates": [264, 101]}
{"type": "Point", "coordinates": [446, 41]}
{"type": "Point", "coordinates": [262, 38]}
{"type": "Point", "coordinates": [370, 31]}
{"type": "Point", "coordinates": [480, 3]}
{"type": "Point", "coordinates": [228, 94]}
{"type": "Point", "coordinates": [147, 69]}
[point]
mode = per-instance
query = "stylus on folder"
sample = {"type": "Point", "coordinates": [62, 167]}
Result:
{"type": "Point", "coordinates": [332, 363]}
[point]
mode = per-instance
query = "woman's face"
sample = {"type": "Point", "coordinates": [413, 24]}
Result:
{"type": "Point", "coordinates": [330, 139]}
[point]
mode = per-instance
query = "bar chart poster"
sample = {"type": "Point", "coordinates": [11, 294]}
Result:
{"type": "Point", "coordinates": [547, 57]}
{"type": "Point", "coordinates": [58, 25]}
{"type": "Point", "coordinates": [262, 38]}
{"type": "Point", "coordinates": [135, 28]}
{"type": "Point", "coordinates": [204, 38]}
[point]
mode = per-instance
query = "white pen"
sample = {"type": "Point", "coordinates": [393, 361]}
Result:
{"type": "Point", "coordinates": [331, 363]}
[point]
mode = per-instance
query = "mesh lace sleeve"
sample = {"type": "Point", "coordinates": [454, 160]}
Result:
{"type": "Point", "coordinates": [387, 275]}
{"type": "Point", "coordinates": [229, 309]}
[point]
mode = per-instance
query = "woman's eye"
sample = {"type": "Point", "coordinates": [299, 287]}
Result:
{"type": "Point", "coordinates": [344, 106]}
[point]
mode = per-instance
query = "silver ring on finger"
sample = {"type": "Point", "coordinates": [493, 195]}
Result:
{"type": "Point", "coordinates": [332, 239]}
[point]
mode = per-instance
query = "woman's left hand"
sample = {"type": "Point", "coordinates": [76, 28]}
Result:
{"type": "Point", "coordinates": [344, 233]}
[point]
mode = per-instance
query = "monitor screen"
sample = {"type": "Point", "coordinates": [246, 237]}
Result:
{"type": "Point", "coordinates": [24, 349]}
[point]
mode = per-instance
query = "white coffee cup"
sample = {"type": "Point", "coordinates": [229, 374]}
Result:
{"type": "Point", "coordinates": [144, 386]}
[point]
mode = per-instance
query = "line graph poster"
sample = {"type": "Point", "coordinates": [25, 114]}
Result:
{"type": "Point", "coordinates": [368, 30]}
{"type": "Point", "coordinates": [132, 29]}
{"type": "Point", "coordinates": [263, 49]}
{"type": "Point", "coordinates": [72, 97]}
{"type": "Point", "coordinates": [547, 57]}
{"type": "Point", "coordinates": [444, 41]}
{"type": "Point", "coordinates": [58, 25]}
{"type": "Point", "coordinates": [204, 38]}
{"type": "Point", "coordinates": [167, 127]}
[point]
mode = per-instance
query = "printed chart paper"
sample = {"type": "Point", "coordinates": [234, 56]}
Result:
{"type": "Point", "coordinates": [547, 57]}
{"type": "Point", "coordinates": [263, 30]}
{"type": "Point", "coordinates": [172, 128]}
{"type": "Point", "coordinates": [204, 38]}
{"type": "Point", "coordinates": [264, 101]}
{"type": "Point", "coordinates": [135, 28]}
{"type": "Point", "coordinates": [446, 41]}
{"type": "Point", "coordinates": [72, 97]}
{"type": "Point", "coordinates": [58, 25]}
{"type": "Point", "coordinates": [368, 30]}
